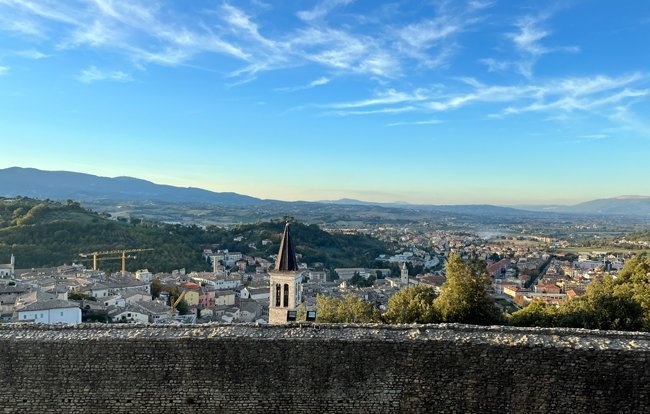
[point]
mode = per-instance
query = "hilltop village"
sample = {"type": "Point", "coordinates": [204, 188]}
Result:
{"type": "Point", "coordinates": [521, 269]}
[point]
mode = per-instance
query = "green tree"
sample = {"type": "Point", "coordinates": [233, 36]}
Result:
{"type": "Point", "coordinates": [622, 303]}
{"type": "Point", "coordinates": [360, 281]}
{"type": "Point", "coordinates": [538, 313]}
{"type": "Point", "coordinates": [156, 287]}
{"type": "Point", "coordinates": [635, 279]}
{"type": "Point", "coordinates": [182, 307]}
{"type": "Point", "coordinates": [80, 296]}
{"type": "Point", "coordinates": [605, 305]}
{"type": "Point", "coordinates": [415, 304]}
{"type": "Point", "coordinates": [494, 257]}
{"type": "Point", "coordinates": [463, 297]}
{"type": "Point", "coordinates": [348, 310]}
{"type": "Point", "coordinates": [301, 313]}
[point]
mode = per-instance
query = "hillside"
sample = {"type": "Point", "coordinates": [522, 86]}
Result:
{"type": "Point", "coordinates": [63, 185]}
{"type": "Point", "coordinates": [469, 209]}
{"type": "Point", "coordinates": [626, 205]}
{"type": "Point", "coordinates": [639, 236]}
{"type": "Point", "coordinates": [48, 233]}
{"type": "Point", "coordinates": [314, 244]}
{"type": "Point", "coordinates": [619, 206]}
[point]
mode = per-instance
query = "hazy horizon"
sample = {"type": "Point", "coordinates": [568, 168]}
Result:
{"type": "Point", "coordinates": [437, 102]}
{"type": "Point", "coordinates": [335, 199]}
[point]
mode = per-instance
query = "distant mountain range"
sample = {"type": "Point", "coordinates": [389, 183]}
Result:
{"type": "Point", "coordinates": [62, 185]}
{"type": "Point", "coordinates": [621, 206]}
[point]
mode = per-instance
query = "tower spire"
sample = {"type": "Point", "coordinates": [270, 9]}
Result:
{"type": "Point", "coordinates": [286, 255]}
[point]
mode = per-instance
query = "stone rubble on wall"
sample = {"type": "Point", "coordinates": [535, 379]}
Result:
{"type": "Point", "coordinates": [217, 368]}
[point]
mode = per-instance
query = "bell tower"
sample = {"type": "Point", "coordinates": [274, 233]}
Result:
{"type": "Point", "coordinates": [404, 276]}
{"type": "Point", "coordinates": [286, 293]}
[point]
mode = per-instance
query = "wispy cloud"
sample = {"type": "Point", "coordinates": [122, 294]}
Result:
{"type": "Point", "coordinates": [432, 41]}
{"type": "Point", "coordinates": [425, 122]}
{"type": "Point", "coordinates": [389, 56]}
{"type": "Point", "coordinates": [136, 29]}
{"type": "Point", "coordinates": [4, 70]}
{"type": "Point", "coordinates": [313, 84]}
{"type": "Point", "coordinates": [597, 95]}
{"type": "Point", "coordinates": [527, 40]}
{"type": "Point", "coordinates": [154, 33]}
{"type": "Point", "coordinates": [93, 74]}
{"type": "Point", "coordinates": [21, 25]}
{"type": "Point", "coordinates": [583, 94]}
{"type": "Point", "coordinates": [32, 54]}
{"type": "Point", "coordinates": [392, 110]}
{"type": "Point", "coordinates": [322, 9]}
{"type": "Point", "coordinates": [343, 51]}
{"type": "Point", "coordinates": [388, 97]}
{"type": "Point", "coordinates": [529, 35]}
{"type": "Point", "coordinates": [587, 138]}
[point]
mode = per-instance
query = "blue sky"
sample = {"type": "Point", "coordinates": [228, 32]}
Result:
{"type": "Point", "coordinates": [471, 101]}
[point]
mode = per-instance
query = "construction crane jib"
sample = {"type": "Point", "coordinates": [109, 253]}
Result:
{"type": "Point", "coordinates": [123, 254]}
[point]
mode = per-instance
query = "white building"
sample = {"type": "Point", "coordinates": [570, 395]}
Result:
{"type": "Point", "coordinates": [222, 283]}
{"type": "Point", "coordinates": [144, 275]}
{"type": "Point", "coordinates": [97, 290]}
{"type": "Point", "coordinates": [133, 296]}
{"type": "Point", "coordinates": [128, 314]}
{"type": "Point", "coordinates": [114, 301]}
{"type": "Point", "coordinates": [228, 258]}
{"type": "Point", "coordinates": [224, 298]}
{"type": "Point", "coordinates": [255, 293]}
{"type": "Point", "coordinates": [317, 276]}
{"type": "Point", "coordinates": [51, 312]}
{"type": "Point", "coordinates": [8, 270]}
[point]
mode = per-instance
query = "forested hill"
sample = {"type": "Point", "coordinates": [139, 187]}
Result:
{"type": "Point", "coordinates": [639, 236]}
{"type": "Point", "coordinates": [47, 233]}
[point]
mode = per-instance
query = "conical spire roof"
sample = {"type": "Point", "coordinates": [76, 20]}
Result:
{"type": "Point", "coordinates": [286, 256]}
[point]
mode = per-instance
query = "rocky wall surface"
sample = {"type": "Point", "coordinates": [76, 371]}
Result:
{"type": "Point", "coordinates": [94, 368]}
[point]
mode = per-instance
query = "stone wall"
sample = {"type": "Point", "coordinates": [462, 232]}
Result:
{"type": "Point", "coordinates": [318, 368]}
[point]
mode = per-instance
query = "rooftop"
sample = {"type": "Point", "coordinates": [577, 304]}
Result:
{"type": "Point", "coordinates": [49, 304]}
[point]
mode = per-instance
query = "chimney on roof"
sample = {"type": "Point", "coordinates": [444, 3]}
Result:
{"type": "Point", "coordinates": [286, 256]}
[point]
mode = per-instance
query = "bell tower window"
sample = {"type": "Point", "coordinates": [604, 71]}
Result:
{"type": "Point", "coordinates": [286, 295]}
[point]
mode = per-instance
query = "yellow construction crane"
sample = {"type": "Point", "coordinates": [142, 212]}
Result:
{"type": "Point", "coordinates": [173, 305]}
{"type": "Point", "coordinates": [96, 256]}
{"type": "Point", "coordinates": [99, 259]}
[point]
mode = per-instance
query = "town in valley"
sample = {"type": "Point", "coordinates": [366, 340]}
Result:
{"type": "Point", "coordinates": [236, 287]}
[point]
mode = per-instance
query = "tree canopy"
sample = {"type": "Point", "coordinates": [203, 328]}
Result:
{"type": "Point", "coordinates": [348, 310]}
{"type": "Point", "coordinates": [463, 297]}
{"type": "Point", "coordinates": [414, 304]}
{"type": "Point", "coordinates": [621, 303]}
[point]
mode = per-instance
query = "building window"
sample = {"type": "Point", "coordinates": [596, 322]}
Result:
{"type": "Point", "coordinates": [286, 295]}
{"type": "Point", "coordinates": [277, 295]}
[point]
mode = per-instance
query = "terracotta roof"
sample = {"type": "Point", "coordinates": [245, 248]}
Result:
{"type": "Point", "coordinates": [286, 255]}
